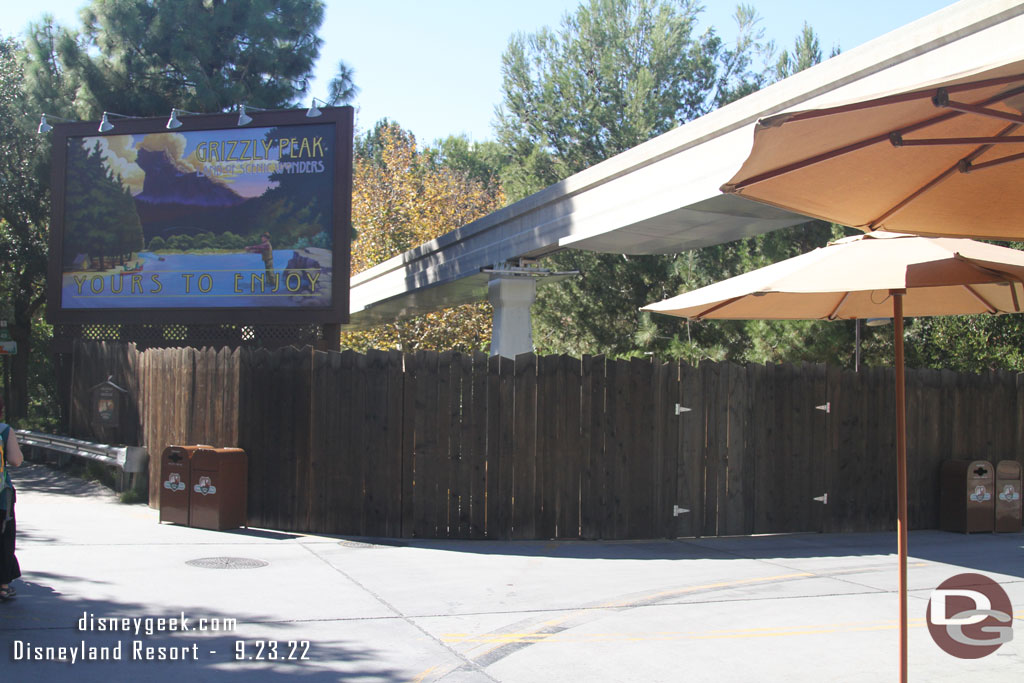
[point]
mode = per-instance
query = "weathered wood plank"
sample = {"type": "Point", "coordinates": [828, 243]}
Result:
{"type": "Point", "coordinates": [506, 443]}
{"type": "Point", "coordinates": [495, 471]}
{"type": "Point", "coordinates": [524, 523]}
{"type": "Point", "coordinates": [592, 409]}
{"type": "Point", "coordinates": [692, 445]}
{"type": "Point", "coordinates": [391, 481]}
{"type": "Point", "coordinates": [732, 517]}
{"type": "Point", "coordinates": [549, 415]}
{"type": "Point", "coordinates": [411, 423]}
{"type": "Point", "coordinates": [374, 408]}
{"type": "Point", "coordinates": [571, 451]}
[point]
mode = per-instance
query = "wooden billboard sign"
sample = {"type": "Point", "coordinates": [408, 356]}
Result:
{"type": "Point", "coordinates": [203, 219]}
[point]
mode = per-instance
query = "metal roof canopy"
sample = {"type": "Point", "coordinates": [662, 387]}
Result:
{"type": "Point", "coordinates": [662, 196]}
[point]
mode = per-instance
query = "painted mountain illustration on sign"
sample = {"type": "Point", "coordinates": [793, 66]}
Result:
{"type": "Point", "coordinates": [173, 198]}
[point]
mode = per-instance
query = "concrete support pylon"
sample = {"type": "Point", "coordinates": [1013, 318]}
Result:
{"type": "Point", "coordinates": [512, 327]}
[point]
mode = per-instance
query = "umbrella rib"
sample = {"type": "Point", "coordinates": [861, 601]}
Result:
{"type": "Point", "coordinates": [942, 100]}
{"type": "Point", "coordinates": [835, 311]}
{"type": "Point", "coordinates": [983, 300]}
{"type": "Point", "coordinates": [964, 163]}
{"type": "Point", "coordinates": [937, 142]}
{"type": "Point", "coordinates": [1006, 277]}
{"type": "Point", "coordinates": [716, 307]}
{"type": "Point", "coordinates": [969, 166]}
{"type": "Point", "coordinates": [854, 146]}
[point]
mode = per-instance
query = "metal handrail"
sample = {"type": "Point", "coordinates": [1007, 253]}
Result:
{"type": "Point", "coordinates": [127, 458]}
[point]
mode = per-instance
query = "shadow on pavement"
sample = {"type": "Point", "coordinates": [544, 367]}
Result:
{"type": "Point", "coordinates": [41, 478]}
{"type": "Point", "coordinates": [40, 617]}
{"type": "Point", "coordinates": [994, 553]}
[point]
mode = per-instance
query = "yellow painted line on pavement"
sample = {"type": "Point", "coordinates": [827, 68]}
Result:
{"type": "Point", "coordinates": [535, 636]}
{"type": "Point", "coordinates": [498, 640]}
{"type": "Point", "coordinates": [423, 674]}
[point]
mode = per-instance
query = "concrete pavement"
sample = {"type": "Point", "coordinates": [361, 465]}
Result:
{"type": "Point", "coordinates": [266, 605]}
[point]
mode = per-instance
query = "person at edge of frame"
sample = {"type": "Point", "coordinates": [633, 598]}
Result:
{"type": "Point", "coordinates": [10, 456]}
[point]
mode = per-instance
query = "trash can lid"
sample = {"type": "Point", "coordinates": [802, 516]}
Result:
{"type": "Point", "coordinates": [1008, 469]}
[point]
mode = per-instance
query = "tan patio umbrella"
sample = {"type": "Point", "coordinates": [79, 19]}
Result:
{"type": "Point", "coordinates": [871, 276]}
{"type": "Point", "coordinates": [944, 158]}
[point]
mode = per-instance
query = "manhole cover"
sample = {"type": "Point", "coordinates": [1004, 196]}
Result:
{"type": "Point", "coordinates": [227, 563]}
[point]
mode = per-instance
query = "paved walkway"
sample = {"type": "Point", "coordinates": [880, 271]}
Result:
{"type": "Point", "coordinates": [770, 608]}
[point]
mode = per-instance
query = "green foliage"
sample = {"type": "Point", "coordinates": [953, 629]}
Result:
{"type": "Point", "coordinates": [966, 343]}
{"type": "Point", "coordinates": [320, 240]}
{"type": "Point", "coordinates": [482, 162]}
{"type": "Point", "coordinates": [203, 240]}
{"type": "Point", "coordinates": [229, 240]}
{"type": "Point", "coordinates": [24, 212]}
{"type": "Point", "coordinates": [98, 472]}
{"type": "Point", "coordinates": [143, 57]}
{"type": "Point", "coordinates": [616, 73]}
{"type": "Point", "coordinates": [157, 243]}
{"type": "Point", "coordinates": [180, 242]}
{"type": "Point", "coordinates": [342, 88]}
{"type": "Point", "coordinates": [43, 414]}
{"type": "Point", "coordinates": [806, 53]}
{"type": "Point", "coordinates": [370, 147]}
{"type": "Point", "coordinates": [133, 496]}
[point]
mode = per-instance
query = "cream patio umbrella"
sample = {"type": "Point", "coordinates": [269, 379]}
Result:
{"type": "Point", "coordinates": [944, 158]}
{"type": "Point", "coordinates": [871, 276]}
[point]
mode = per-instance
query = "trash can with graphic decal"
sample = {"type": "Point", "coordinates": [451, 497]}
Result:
{"type": "Point", "coordinates": [1009, 480]}
{"type": "Point", "coordinates": [968, 496]}
{"type": "Point", "coordinates": [218, 488]}
{"type": "Point", "coordinates": [175, 473]}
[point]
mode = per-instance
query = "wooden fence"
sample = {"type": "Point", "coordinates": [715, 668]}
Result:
{"type": "Point", "coordinates": [450, 445]}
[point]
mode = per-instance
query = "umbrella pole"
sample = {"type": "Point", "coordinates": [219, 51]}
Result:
{"type": "Point", "coordinates": [901, 471]}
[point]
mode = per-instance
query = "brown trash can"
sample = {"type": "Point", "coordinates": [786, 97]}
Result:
{"type": "Point", "coordinates": [1009, 482]}
{"type": "Point", "coordinates": [967, 497]}
{"type": "Point", "coordinates": [176, 472]}
{"type": "Point", "coordinates": [218, 488]}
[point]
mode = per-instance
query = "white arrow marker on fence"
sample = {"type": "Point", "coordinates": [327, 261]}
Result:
{"type": "Point", "coordinates": [827, 407]}
{"type": "Point", "coordinates": [676, 511]}
{"type": "Point", "coordinates": [680, 409]}
{"type": "Point", "coordinates": [822, 498]}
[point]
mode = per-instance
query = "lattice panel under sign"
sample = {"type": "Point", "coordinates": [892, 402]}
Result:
{"type": "Point", "coordinates": [198, 336]}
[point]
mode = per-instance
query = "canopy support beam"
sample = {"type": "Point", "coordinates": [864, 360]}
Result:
{"type": "Point", "coordinates": [901, 471]}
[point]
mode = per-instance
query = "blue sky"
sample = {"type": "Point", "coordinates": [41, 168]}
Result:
{"type": "Point", "coordinates": [434, 66]}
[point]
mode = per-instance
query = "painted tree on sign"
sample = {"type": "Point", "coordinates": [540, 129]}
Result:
{"type": "Point", "coordinates": [100, 219]}
{"type": "Point", "coordinates": [401, 198]}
